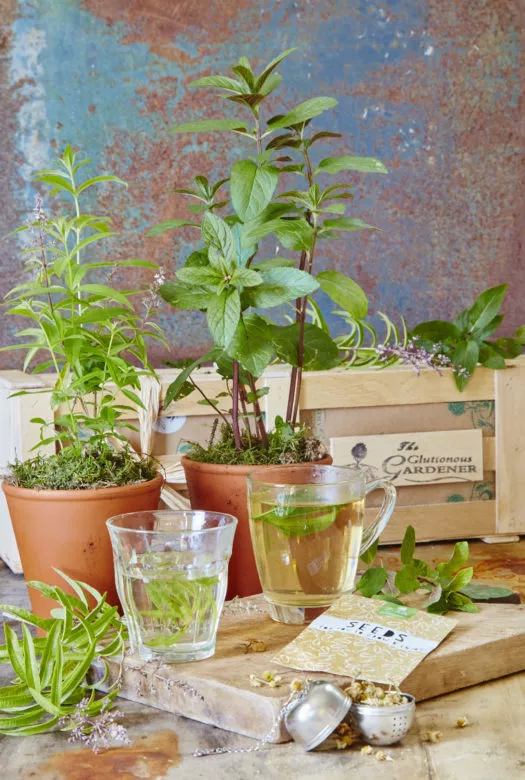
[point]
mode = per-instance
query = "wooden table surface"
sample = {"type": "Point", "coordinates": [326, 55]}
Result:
{"type": "Point", "coordinates": [491, 748]}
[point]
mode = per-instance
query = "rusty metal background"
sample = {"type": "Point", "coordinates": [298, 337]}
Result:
{"type": "Point", "coordinates": [429, 86]}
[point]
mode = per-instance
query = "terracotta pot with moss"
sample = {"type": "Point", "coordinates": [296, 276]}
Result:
{"type": "Point", "coordinates": [221, 487]}
{"type": "Point", "coordinates": [93, 338]}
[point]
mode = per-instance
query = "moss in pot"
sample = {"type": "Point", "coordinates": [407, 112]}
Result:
{"type": "Point", "coordinates": [91, 339]}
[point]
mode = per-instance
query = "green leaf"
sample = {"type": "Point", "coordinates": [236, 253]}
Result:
{"type": "Point", "coordinates": [347, 224]}
{"type": "Point", "coordinates": [246, 277]}
{"type": "Point", "coordinates": [520, 334]}
{"type": "Point", "coordinates": [32, 677]}
{"type": "Point", "coordinates": [485, 308]}
{"type": "Point", "coordinates": [461, 580]}
{"type": "Point", "coordinates": [170, 224]}
{"type": "Point", "coordinates": [372, 581]}
{"type": "Point", "coordinates": [465, 355]}
{"type": "Point", "coordinates": [460, 602]}
{"type": "Point", "coordinates": [48, 659]}
{"type": "Point", "coordinates": [349, 163]}
{"type": "Point", "coordinates": [251, 344]}
{"type": "Point", "coordinates": [408, 546]}
{"type": "Point", "coordinates": [252, 188]}
{"type": "Point", "coordinates": [98, 180]}
{"type": "Point", "coordinates": [209, 126]}
{"type": "Point", "coordinates": [458, 558]}
{"type": "Point", "coordinates": [224, 312]}
{"type": "Point", "coordinates": [271, 83]}
{"type": "Point", "coordinates": [345, 292]}
{"type": "Point", "coordinates": [217, 234]}
{"type": "Point", "coordinates": [320, 351]}
{"type": "Point", "coordinates": [205, 275]}
{"type": "Point", "coordinates": [369, 555]}
{"type": "Point", "coordinates": [296, 521]}
{"type": "Point", "coordinates": [274, 262]}
{"type": "Point", "coordinates": [485, 592]}
{"type": "Point", "coordinates": [406, 580]}
{"type": "Point", "coordinates": [507, 347]}
{"type": "Point", "coordinates": [271, 66]}
{"type": "Point", "coordinates": [436, 331]}
{"type": "Point", "coordinates": [15, 652]}
{"type": "Point", "coordinates": [183, 296]}
{"type": "Point", "coordinates": [294, 234]}
{"type": "Point", "coordinates": [218, 82]}
{"type": "Point", "coordinates": [303, 112]}
{"type": "Point", "coordinates": [56, 181]}
{"type": "Point", "coordinates": [280, 285]}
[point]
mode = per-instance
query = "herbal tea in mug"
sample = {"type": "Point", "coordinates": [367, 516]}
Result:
{"type": "Point", "coordinates": [306, 523]}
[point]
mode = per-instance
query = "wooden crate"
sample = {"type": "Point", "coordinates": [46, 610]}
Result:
{"type": "Point", "coordinates": [343, 403]}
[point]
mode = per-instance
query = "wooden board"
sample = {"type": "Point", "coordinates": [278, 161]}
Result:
{"type": "Point", "coordinates": [218, 691]}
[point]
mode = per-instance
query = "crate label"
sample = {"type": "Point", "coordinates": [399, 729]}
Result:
{"type": "Point", "coordinates": [414, 458]}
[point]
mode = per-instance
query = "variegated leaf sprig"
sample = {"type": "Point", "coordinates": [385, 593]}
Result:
{"type": "Point", "coordinates": [50, 671]}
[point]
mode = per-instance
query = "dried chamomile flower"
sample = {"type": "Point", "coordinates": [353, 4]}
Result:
{"type": "Point", "coordinates": [273, 680]}
{"type": "Point", "coordinates": [254, 646]}
{"type": "Point", "coordinates": [296, 685]}
{"type": "Point", "coordinates": [381, 755]}
{"type": "Point", "coordinates": [367, 750]}
{"type": "Point", "coordinates": [462, 722]}
{"type": "Point", "coordinates": [344, 736]}
{"type": "Point", "coordinates": [432, 736]}
{"type": "Point", "coordinates": [267, 678]}
{"type": "Point", "coordinates": [354, 690]}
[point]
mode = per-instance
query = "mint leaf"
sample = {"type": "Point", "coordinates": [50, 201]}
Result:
{"type": "Point", "coordinates": [372, 581]}
{"type": "Point", "coordinates": [485, 592]}
{"type": "Point", "coordinates": [294, 521]}
{"type": "Point", "coordinates": [406, 580]}
{"type": "Point", "coordinates": [408, 545]}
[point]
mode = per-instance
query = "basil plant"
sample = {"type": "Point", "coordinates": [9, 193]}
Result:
{"type": "Point", "coordinates": [232, 280]}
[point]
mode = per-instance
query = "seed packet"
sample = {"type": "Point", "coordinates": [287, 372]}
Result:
{"type": "Point", "coordinates": [366, 638]}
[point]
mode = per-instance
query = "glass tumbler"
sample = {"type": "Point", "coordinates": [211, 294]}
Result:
{"type": "Point", "coordinates": [171, 572]}
{"type": "Point", "coordinates": [306, 524]}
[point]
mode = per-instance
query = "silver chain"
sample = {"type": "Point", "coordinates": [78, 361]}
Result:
{"type": "Point", "coordinates": [294, 698]}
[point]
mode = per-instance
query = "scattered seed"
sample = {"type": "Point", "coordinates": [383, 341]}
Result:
{"type": "Point", "coordinates": [367, 750]}
{"type": "Point", "coordinates": [432, 736]}
{"type": "Point", "coordinates": [462, 722]}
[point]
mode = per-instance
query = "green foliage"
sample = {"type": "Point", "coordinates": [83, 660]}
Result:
{"type": "Point", "coordinates": [50, 672]}
{"type": "Point", "coordinates": [84, 330]}
{"type": "Point", "coordinates": [447, 585]}
{"type": "Point", "coordinates": [73, 468]}
{"type": "Point", "coordinates": [466, 341]}
{"type": "Point", "coordinates": [227, 279]}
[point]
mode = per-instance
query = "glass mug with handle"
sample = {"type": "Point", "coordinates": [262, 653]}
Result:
{"type": "Point", "coordinates": [307, 529]}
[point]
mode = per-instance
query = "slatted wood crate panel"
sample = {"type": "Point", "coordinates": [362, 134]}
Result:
{"type": "Point", "coordinates": [348, 403]}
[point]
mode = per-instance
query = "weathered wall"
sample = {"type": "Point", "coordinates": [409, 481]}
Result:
{"type": "Point", "coordinates": [429, 86]}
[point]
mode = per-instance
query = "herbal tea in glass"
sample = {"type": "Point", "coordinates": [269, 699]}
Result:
{"type": "Point", "coordinates": [171, 571]}
{"type": "Point", "coordinates": [306, 524]}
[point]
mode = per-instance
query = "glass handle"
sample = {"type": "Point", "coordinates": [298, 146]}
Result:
{"type": "Point", "coordinates": [373, 531]}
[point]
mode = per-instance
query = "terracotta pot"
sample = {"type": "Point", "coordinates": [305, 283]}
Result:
{"type": "Point", "coordinates": [220, 488]}
{"type": "Point", "coordinates": [66, 530]}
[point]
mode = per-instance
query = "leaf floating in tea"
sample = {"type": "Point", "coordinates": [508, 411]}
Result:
{"type": "Point", "coordinates": [295, 521]}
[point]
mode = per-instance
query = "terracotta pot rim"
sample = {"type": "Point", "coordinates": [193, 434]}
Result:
{"type": "Point", "coordinates": [242, 470]}
{"type": "Point", "coordinates": [34, 494]}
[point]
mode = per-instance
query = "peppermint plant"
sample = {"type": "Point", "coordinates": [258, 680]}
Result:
{"type": "Point", "coordinates": [81, 328]}
{"type": "Point", "coordinates": [231, 279]}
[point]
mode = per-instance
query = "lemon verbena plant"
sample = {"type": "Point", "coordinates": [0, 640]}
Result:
{"type": "Point", "coordinates": [89, 335]}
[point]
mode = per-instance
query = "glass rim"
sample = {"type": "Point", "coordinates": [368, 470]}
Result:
{"type": "Point", "coordinates": [231, 520]}
{"type": "Point", "coordinates": [263, 480]}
